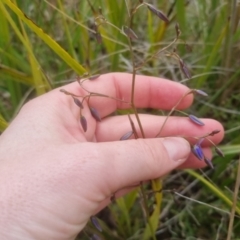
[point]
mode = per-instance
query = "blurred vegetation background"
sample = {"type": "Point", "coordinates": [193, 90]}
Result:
{"type": "Point", "coordinates": [46, 44]}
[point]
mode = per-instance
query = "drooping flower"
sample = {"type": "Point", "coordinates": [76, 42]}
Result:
{"type": "Point", "coordinates": [196, 120]}
{"type": "Point", "coordinates": [95, 114]}
{"type": "Point", "coordinates": [158, 13]}
{"type": "Point", "coordinates": [96, 223]}
{"type": "Point", "coordinates": [129, 32]}
{"type": "Point", "coordinates": [184, 69]}
{"type": "Point", "coordinates": [126, 136]}
{"type": "Point", "coordinates": [197, 150]}
{"type": "Point", "coordinates": [78, 102]}
{"type": "Point", "coordinates": [83, 122]}
{"type": "Point", "coordinates": [201, 92]}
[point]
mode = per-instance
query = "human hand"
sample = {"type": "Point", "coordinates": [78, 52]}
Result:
{"type": "Point", "coordinates": [54, 176]}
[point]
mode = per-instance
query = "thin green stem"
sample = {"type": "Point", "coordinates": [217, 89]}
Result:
{"type": "Point", "coordinates": [137, 7]}
{"type": "Point", "coordinates": [234, 205]}
{"type": "Point", "coordinates": [133, 89]}
{"type": "Point", "coordinates": [140, 126]}
{"type": "Point", "coordinates": [156, 54]}
{"type": "Point", "coordinates": [133, 127]}
{"type": "Point", "coordinates": [93, 94]}
{"type": "Point", "coordinates": [171, 112]}
{"type": "Point", "coordinates": [105, 21]}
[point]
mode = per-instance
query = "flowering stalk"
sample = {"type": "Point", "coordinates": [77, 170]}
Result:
{"type": "Point", "coordinates": [128, 32]}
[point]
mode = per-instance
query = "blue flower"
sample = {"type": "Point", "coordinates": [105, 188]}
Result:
{"type": "Point", "coordinates": [197, 150]}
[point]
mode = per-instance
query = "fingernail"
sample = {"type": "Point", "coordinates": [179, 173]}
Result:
{"type": "Point", "coordinates": [178, 148]}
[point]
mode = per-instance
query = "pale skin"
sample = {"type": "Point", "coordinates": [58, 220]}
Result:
{"type": "Point", "coordinates": [54, 176]}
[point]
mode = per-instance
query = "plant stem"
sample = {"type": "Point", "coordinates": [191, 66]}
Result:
{"type": "Point", "coordinates": [234, 205]}
{"type": "Point", "coordinates": [172, 110]}
{"type": "Point", "coordinates": [133, 89]}
{"type": "Point", "coordinates": [147, 211]}
{"type": "Point", "coordinates": [156, 54]}
{"type": "Point", "coordinates": [141, 129]}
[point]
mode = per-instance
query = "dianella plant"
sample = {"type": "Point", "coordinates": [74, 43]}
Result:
{"type": "Point", "coordinates": [192, 42]}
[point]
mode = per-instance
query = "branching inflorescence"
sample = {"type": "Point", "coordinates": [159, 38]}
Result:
{"type": "Point", "coordinates": [132, 133]}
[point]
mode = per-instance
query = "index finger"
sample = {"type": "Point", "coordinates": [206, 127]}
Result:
{"type": "Point", "coordinates": [151, 92]}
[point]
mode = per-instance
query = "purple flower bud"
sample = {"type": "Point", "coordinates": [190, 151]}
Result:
{"type": "Point", "coordinates": [95, 114]}
{"type": "Point", "coordinates": [196, 120]}
{"type": "Point", "coordinates": [98, 37]}
{"type": "Point", "coordinates": [129, 32]}
{"type": "Point", "coordinates": [126, 136]}
{"type": "Point", "coordinates": [197, 151]}
{"type": "Point", "coordinates": [83, 122]}
{"type": "Point", "coordinates": [208, 162]}
{"type": "Point", "coordinates": [78, 102]}
{"type": "Point", "coordinates": [184, 69]}
{"type": "Point", "coordinates": [158, 13]}
{"type": "Point", "coordinates": [96, 224]}
{"type": "Point", "coordinates": [200, 92]}
{"type": "Point", "coordinates": [219, 152]}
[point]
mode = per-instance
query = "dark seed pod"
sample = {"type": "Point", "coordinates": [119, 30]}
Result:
{"type": "Point", "coordinates": [98, 37]}
{"type": "Point", "coordinates": [158, 13]}
{"type": "Point", "coordinates": [208, 162]}
{"type": "Point", "coordinates": [129, 32]}
{"type": "Point", "coordinates": [83, 122]}
{"type": "Point", "coordinates": [219, 152]}
{"type": "Point", "coordinates": [93, 77]}
{"type": "Point", "coordinates": [95, 223]}
{"type": "Point", "coordinates": [196, 120]}
{"type": "Point", "coordinates": [96, 34]}
{"type": "Point", "coordinates": [65, 92]}
{"type": "Point", "coordinates": [126, 136]}
{"type": "Point", "coordinates": [184, 69]}
{"type": "Point", "coordinates": [178, 32]}
{"type": "Point", "coordinates": [95, 114]}
{"type": "Point", "coordinates": [200, 92]}
{"type": "Point", "coordinates": [113, 198]}
{"type": "Point", "coordinates": [197, 151]}
{"type": "Point", "coordinates": [62, 90]}
{"type": "Point", "coordinates": [78, 102]}
{"type": "Point", "coordinates": [214, 132]}
{"type": "Point", "coordinates": [188, 47]}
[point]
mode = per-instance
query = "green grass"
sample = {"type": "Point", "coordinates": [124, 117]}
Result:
{"type": "Point", "coordinates": [54, 41]}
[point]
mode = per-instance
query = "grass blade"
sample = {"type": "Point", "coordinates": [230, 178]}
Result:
{"type": "Point", "coordinates": [47, 39]}
{"type": "Point", "coordinates": [213, 188]}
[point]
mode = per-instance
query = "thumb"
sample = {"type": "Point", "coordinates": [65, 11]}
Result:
{"type": "Point", "coordinates": [129, 162]}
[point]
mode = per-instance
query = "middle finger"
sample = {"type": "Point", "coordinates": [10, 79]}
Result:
{"type": "Point", "coordinates": [113, 128]}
